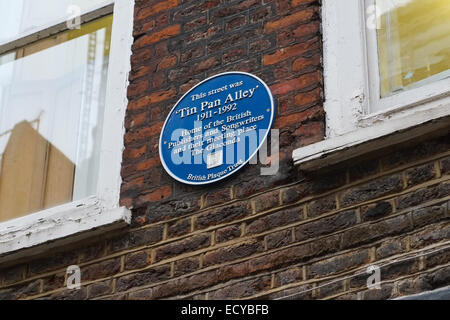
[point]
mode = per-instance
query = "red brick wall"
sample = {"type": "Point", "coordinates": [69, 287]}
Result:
{"type": "Point", "coordinates": [253, 236]}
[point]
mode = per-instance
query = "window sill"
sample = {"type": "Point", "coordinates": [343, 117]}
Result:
{"type": "Point", "coordinates": [44, 230]}
{"type": "Point", "coordinates": [364, 140]}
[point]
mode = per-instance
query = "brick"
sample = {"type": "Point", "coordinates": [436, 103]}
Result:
{"type": "Point", "coordinates": [194, 24]}
{"type": "Point", "coordinates": [374, 294]}
{"type": "Point", "coordinates": [75, 294]}
{"type": "Point", "coordinates": [146, 236]}
{"type": "Point", "coordinates": [156, 195]}
{"type": "Point", "coordinates": [430, 235]}
{"type": "Point", "coordinates": [186, 266]}
{"type": "Point", "coordinates": [389, 248]}
{"type": "Point", "coordinates": [167, 62]}
{"type": "Point", "coordinates": [423, 195]}
{"type": "Point", "coordinates": [218, 197]}
{"type": "Point", "coordinates": [372, 190]}
{"type": "Point", "coordinates": [376, 211]}
{"type": "Point", "coordinates": [56, 261]}
{"type": "Point", "coordinates": [186, 284]}
{"type": "Point", "coordinates": [297, 17]}
{"type": "Point", "coordinates": [135, 89]}
{"type": "Point", "coordinates": [445, 166]}
{"type": "Point", "coordinates": [288, 276]}
{"type": "Point", "coordinates": [400, 268]}
{"type": "Point", "coordinates": [302, 82]}
{"type": "Point", "coordinates": [425, 216]}
{"type": "Point", "coordinates": [12, 274]}
{"type": "Point", "coordinates": [99, 289]}
{"type": "Point", "coordinates": [158, 7]}
{"type": "Point", "coordinates": [274, 220]}
{"type": "Point", "coordinates": [288, 52]}
{"type": "Point", "coordinates": [326, 225]}
{"type": "Point", "coordinates": [156, 36]}
{"type": "Point", "coordinates": [236, 23]}
{"type": "Point", "coordinates": [53, 282]}
{"type": "Point", "coordinates": [440, 257]}
{"type": "Point", "coordinates": [222, 215]}
{"type": "Point", "coordinates": [282, 257]}
{"type": "Point", "coordinates": [231, 253]}
{"type": "Point", "coordinates": [242, 289]}
{"type": "Point", "coordinates": [267, 201]}
{"type": "Point", "coordinates": [100, 270]}
{"type": "Point", "coordinates": [148, 276]}
{"type": "Point", "coordinates": [190, 244]}
{"type": "Point", "coordinates": [238, 7]}
{"type": "Point", "coordinates": [137, 260]}
{"type": "Point", "coordinates": [420, 174]}
{"type": "Point", "coordinates": [320, 206]}
{"type": "Point", "coordinates": [228, 233]}
{"type": "Point", "coordinates": [338, 264]}
{"type": "Point", "coordinates": [371, 232]}
{"type": "Point", "coordinates": [179, 228]}
{"type": "Point", "coordinates": [233, 271]}
{"type": "Point", "coordinates": [293, 194]}
{"type": "Point", "coordinates": [279, 239]}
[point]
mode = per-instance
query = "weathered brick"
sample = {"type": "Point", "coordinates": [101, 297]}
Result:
{"type": "Point", "coordinates": [99, 289]}
{"type": "Point", "coordinates": [155, 8]}
{"type": "Point", "coordinates": [425, 216]}
{"type": "Point", "coordinates": [222, 215]}
{"type": "Point", "coordinates": [288, 276]}
{"type": "Point", "coordinates": [293, 51]}
{"type": "Point", "coordinates": [274, 220]}
{"type": "Point", "coordinates": [279, 239]}
{"type": "Point", "coordinates": [297, 17]}
{"type": "Point", "coordinates": [376, 211]}
{"type": "Point", "coordinates": [389, 248]}
{"type": "Point", "coordinates": [267, 201]}
{"type": "Point", "coordinates": [157, 36]}
{"type": "Point", "coordinates": [321, 206]}
{"type": "Point", "coordinates": [187, 245]}
{"type": "Point", "coordinates": [423, 195]}
{"type": "Point", "coordinates": [179, 227]}
{"type": "Point", "coordinates": [137, 260]}
{"type": "Point", "coordinates": [228, 233]}
{"type": "Point", "coordinates": [100, 270]}
{"type": "Point", "coordinates": [242, 289]}
{"type": "Point", "coordinates": [420, 174]}
{"type": "Point", "coordinates": [362, 234]}
{"type": "Point", "coordinates": [231, 253]}
{"type": "Point", "coordinates": [326, 225]}
{"type": "Point", "coordinates": [142, 278]}
{"type": "Point", "coordinates": [185, 266]}
{"type": "Point", "coordinates": [338, 264]}
{"type": "Point", "coordinates": [371, 190]}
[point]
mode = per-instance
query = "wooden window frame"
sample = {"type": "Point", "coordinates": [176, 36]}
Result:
{"type": "Point", "coordinates": [101, 212]}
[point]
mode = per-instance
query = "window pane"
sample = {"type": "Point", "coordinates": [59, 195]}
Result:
{"type": "Point", "coordinates": [51, 113]}
{"type": "Point", "coordinates": [413, 43]}
{"type": "Point", "coordinates": [20, 17]}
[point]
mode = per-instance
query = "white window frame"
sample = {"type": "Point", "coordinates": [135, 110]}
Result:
{"type": "Point", "coordinates": [351, 83]}
{"type": "Point", "coordinates": [99, 213]}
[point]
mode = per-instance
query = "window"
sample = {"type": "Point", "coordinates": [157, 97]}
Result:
{"type": "Point", "coordinates": [411, 50]}
{"type": "Point", "coordinates": [62, 105]}
{"type": "Point", "coordinates": [386, 70]}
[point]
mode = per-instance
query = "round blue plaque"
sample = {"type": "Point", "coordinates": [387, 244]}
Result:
{"type": "Point", "coordinates": [216, 128]}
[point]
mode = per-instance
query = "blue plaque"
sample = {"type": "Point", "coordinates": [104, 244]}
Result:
{"type": "Point", "coordinates": [216, 128]}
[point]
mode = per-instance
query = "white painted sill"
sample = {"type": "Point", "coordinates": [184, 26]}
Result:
{"type": "Point", "coordinates": [55, 227]}
{"type": "Point", "coordinates": [365, 140]}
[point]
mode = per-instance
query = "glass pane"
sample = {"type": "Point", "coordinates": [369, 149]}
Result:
{"type": "Point", "coordinates": [413, 43]}
{"type": "Point", "coordinates": [20, 17]}
{"type": "Point", "coordinates": [51, 114]}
